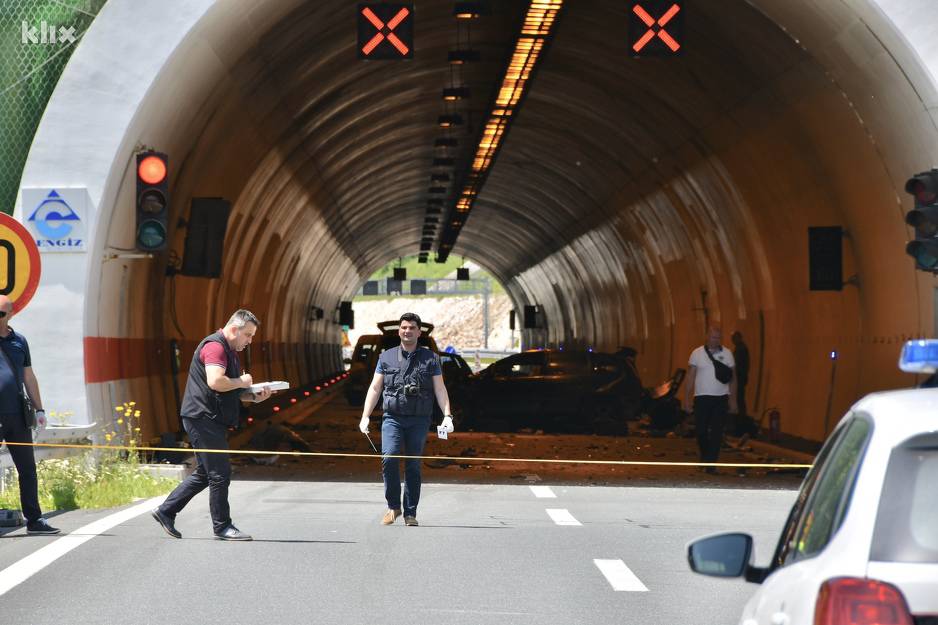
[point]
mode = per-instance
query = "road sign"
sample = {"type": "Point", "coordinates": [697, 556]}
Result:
{"type": "Point", "coordinates": [647, 33]}
{"type": "Point", "coordinates": [385, 31]}
{"type": "Point", "coordinates": [19, 262]}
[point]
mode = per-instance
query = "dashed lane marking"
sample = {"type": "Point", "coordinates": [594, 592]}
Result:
{"type": "Point", "coordinates": [562, 516]}
{"type": "Point", "coordinates": [543, 492]}
{"type": "Point", "coordinates": [619, 576]}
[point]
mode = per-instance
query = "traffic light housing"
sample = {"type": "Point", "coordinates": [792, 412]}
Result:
{"type": "Point", "coordinates": [924, 218]}
{"type": "Point", "coordinates": [152, 201]}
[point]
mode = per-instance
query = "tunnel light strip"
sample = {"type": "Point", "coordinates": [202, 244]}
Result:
{"type": "Point", "coordinates": [538, 25]}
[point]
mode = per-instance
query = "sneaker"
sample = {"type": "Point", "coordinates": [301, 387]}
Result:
{"type": "Point", "coordinates": [232, 533]}
{"type": "Point", "coordinates": [390, 516]}
{"type": "Point", "coordinates": [166, 523]}
{"type": "Point", "coordinates": [41, 527]}
{"type": "Point", "coordinates": [411, 521]}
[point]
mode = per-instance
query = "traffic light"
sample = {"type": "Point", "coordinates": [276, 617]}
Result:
{"type": "Point", "coordinates": [924, 218]}
{"type": "Point", "coordinates": [152, 201]}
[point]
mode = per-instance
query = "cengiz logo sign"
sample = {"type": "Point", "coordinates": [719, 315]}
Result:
{"type": "Point", "coordinates": [56, 218]}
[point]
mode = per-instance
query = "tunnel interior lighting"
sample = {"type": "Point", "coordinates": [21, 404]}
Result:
{"type": "Point", "coordinates": [461, 57]}
{"type": "Point", "coordinates": [470, 10]}
{"type": "Point", "coordinates": [536, 31]}
{"type": "Point", "coordinates": [451, 94]}
{"type": "Point", "coordinates": [449, 121]}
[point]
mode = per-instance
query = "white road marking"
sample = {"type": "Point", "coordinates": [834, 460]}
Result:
{"type": "Point", "coordinates": [620, 576]}
{"type": "Point", "coordinates": [543, 491]}
{"type": "Point", "coordinates": [23, 569]}
{"type": "Point", "coordinates": [562, 516]}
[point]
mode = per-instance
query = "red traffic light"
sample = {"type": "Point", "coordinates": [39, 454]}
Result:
{"type": "Point", "coordinates": [152, 170]}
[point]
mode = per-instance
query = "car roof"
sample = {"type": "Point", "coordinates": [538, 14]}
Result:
{"type": "Point", "coordinates": [901, 414]}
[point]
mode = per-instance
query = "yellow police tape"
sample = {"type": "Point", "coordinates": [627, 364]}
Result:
{"type": "Point", "coordinates": [461, 459]}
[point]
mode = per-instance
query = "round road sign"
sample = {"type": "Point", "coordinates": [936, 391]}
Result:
{"type": "Point", "coordinates": [19, 262]}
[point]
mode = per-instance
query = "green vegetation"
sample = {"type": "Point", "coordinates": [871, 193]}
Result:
{"type": "Point", "coordinates": [88, 482]}
{"type": "Point", "coordinates": [104, 479]}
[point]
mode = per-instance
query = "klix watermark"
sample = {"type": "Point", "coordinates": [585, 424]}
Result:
{"type": "Point", "coordinates": [48, 33]}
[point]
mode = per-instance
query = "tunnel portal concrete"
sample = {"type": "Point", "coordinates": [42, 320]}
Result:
{"type": "Point", "coordinates": [633, 200]}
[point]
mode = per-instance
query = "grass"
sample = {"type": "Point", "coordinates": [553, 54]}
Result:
{"type": "Point", "coordinates": [105, 479]}
{"type": "Point", "coordinates": [88, 481]}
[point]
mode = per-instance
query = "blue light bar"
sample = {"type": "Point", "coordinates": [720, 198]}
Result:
{"type": "Point", "coordinates": [919, 356]}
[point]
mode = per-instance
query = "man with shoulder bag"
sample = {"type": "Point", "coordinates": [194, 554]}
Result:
{"type": "Point", "coordinates": [20, 411]}
{"type": "Point", "coordinates": [711, 379]}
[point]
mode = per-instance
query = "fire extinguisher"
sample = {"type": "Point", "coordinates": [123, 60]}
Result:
{"type": "Point", "coordinates": [775, 424]}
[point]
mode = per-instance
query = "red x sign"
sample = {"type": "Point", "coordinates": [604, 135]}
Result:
{"type": "Point", "coordinates": [654, 30]}
{"type": "Point", "coordinates": [385, 31]}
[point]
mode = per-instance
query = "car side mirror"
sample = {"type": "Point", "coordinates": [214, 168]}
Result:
{"type": "Point", "coordinates": [723, 555]}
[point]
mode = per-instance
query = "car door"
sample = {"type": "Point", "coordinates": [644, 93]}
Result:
{"type": "Point", "coordinates": [788, 594]}
{"type": "Point", "coordinates": [510, 390]}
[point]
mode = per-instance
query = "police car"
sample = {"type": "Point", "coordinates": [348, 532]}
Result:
{"type": "Point", "coordinates": [860, 546]}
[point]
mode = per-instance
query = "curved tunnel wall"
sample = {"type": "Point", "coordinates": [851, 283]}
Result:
{"type": "Point", "coordinates": [622, 192]}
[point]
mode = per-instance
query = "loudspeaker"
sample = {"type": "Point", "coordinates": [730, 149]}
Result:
{"type": "Point", "coordinates": [530, 317]}
{"type": "Point", "coordinates": [205, 237]}
{"type": "Point", "coordinates": [400, 273]}
{"type": "Point", "coordinates": [462, 273]}
{"type": "Point", "coordinates": [825, 258]}
{"type": "Point", "coordinates": [511, 319]}
{"type": "Point", "coordinates": [346, 315]}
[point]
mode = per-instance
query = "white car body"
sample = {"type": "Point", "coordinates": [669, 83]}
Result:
{"type": "Point", "coordinates": [806, 558]}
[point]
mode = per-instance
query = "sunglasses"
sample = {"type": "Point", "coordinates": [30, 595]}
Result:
{"type": "Point", "coordinates": [3, 314]}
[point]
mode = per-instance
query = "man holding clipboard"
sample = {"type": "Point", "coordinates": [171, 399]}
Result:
{"type": "Point", "coordinates": [209, 407]}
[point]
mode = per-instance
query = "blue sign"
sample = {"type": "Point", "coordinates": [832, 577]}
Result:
{"type": "Point", "coordinates": [56, 218]}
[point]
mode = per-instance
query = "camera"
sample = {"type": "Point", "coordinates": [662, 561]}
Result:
{"type": "Point", "coordinates": [411, 390]}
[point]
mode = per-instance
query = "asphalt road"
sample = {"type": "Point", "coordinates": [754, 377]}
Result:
{"type": "Point", "coordinates": [494, 554]}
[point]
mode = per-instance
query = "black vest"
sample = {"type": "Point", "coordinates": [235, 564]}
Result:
{"type": "Point", "coordinates": [413, 372]}
{"type": "Point", "coordinates": [200, 400]}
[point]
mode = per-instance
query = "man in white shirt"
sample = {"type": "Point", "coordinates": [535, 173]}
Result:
{"type": "Point", "coordinates": [712, 396]}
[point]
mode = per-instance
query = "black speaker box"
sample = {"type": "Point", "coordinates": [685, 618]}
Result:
{"type": "Point", "coordinates": [205, 237]}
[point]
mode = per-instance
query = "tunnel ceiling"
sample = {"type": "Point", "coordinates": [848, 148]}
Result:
{"type": "Point", "coordinates": [597, 128]}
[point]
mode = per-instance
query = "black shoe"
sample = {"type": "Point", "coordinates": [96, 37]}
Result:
{"type": "Point", "coordinates": [166, 523]}
{"type": "Point", "coordinates": [232, 533]}
{"type": "Point", "coordinates": [41, 527]}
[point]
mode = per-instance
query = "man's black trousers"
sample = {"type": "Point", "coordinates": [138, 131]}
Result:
{"type": "Point", "coordinates": [213, 471]}
{"type": "Point", "coordinates": [13, 429]}
{"type": "Point", "coordinates": [710, 415]}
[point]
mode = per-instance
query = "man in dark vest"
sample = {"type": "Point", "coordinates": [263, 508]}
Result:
{"type": "Point", "coordinates": [407, 377]}
{"type": "Point", "coordinates": [16, 372]}
{"type": "Point", "coordinates": [209, 406]}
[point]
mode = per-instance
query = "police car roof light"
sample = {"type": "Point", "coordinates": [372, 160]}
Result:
{"type": "Point", "coordinates": [919, 356]}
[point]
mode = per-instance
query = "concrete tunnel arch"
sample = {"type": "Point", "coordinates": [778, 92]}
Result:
{"type": "Point", "coordinates": [623, 191]}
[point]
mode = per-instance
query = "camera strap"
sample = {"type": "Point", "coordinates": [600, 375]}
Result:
{"type": "Point", "coordinates": [410, 361]}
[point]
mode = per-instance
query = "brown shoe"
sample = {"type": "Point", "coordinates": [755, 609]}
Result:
{"type": "Point", "coordinates": [411, 521]}
{"type": "Point", "coordinates": [390, 516]}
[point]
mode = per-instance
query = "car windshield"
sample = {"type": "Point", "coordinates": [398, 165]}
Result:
{"type": "Point", "coordinates": [906, 526]}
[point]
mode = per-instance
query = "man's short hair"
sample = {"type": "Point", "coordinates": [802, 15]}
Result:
{"type": "Point", "coordinates": [412, 317]}
{"type": "Point", "coordinates": [242, 317]}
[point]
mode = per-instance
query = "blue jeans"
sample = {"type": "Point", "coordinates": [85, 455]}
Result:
{"type": "Point", "coordinates": [402, 436]}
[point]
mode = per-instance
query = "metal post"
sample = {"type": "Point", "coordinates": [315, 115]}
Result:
{"type": "Point", "coordinates": [485, 313]}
